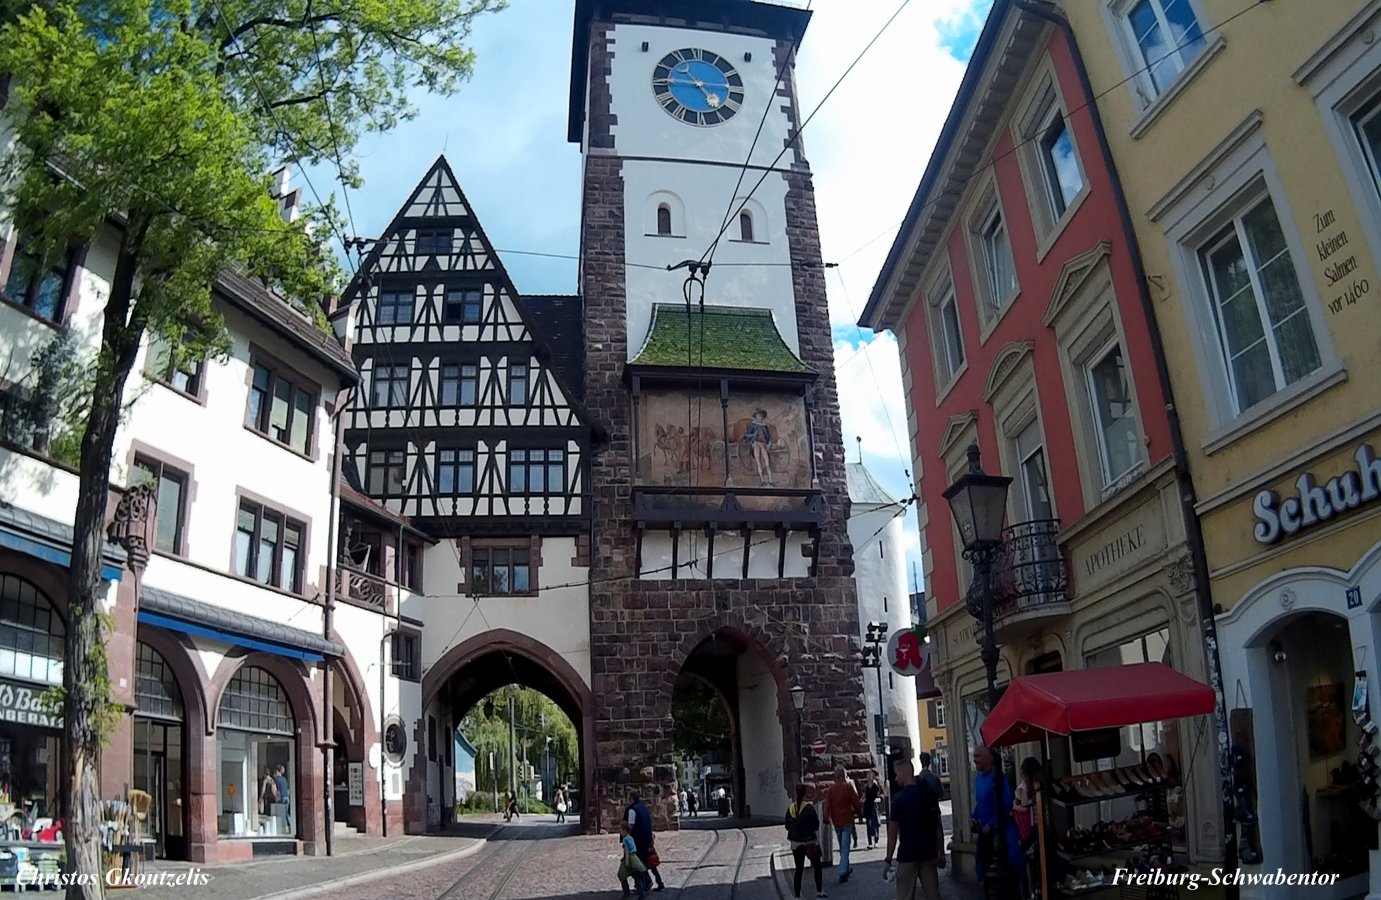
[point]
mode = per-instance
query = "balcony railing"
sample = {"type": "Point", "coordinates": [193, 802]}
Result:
{"type": "Point", "coordinates": [1030, 569]}
{"type": "Point", "coordinates": [363, 589]}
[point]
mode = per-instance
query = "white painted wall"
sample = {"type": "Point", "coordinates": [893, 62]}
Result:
{"type": "Point", "coordinates": [760, 734]}
{"type": "Point", "coordinates": [665, 156]}
{"type": "Point", "coordinates": [559, 616]}
{"type": "Point", "coordinates": [878, 537]}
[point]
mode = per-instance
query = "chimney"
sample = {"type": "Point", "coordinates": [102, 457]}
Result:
{"type": "Point", "coordinates": [289, 200]}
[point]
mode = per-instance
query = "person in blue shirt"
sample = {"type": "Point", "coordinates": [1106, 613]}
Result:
{"type": "Point", "coordinates": [985, 813]}
{"type": "Point", "coordinates": [638, 818]}
{"type": "Point", "coordinates": [628, 863]}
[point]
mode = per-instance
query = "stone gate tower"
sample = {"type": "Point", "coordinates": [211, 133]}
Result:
{"type": "Point", "coordinates": [720, 548]}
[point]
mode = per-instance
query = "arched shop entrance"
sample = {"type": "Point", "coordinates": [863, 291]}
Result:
{"type": "Point", "coordinates": [461, 680]}
{"type": "Point", "coordinates": [353, 730]}
{"type": "Point", "coordinates": [745, 676]}
{"type": "Point", "coordinates": [256, 756]}
{"type": "Point", "coordinates": [160, 744]}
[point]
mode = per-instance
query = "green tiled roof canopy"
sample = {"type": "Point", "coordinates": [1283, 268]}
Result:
{"type": "Point", "coordinates": [734, 338]}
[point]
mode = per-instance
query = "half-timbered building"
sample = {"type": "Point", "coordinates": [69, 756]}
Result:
{"type": "Point", "coordinates": [466, 431]}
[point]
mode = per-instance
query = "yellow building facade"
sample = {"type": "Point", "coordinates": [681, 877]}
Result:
{"type": "Point", "coordinates": [1248, 140]}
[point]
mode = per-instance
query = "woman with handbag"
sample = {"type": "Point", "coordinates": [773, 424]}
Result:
{"type": "Point", "coordinates": [803, 832]}
{"type": "Point", "coordinates": [560, 805]}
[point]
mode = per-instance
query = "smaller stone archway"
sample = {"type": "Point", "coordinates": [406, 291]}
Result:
{"type": "Point", "coordinates": [351, 729]}
{"type": "Point", "coordinates": [468, 672]}
{"type": "Point", "coordinates": [737, 662]}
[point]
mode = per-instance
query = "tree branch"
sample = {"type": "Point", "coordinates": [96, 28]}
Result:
{"type": "Point", "coordinates": [276, 22]}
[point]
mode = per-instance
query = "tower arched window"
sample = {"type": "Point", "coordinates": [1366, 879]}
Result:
{"type": "Point", "coordinates": [745, 225]}
{"type": "Point", "coordinates": [663, 219]}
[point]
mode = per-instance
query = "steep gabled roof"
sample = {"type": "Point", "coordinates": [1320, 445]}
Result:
{"type": "Point", "coordinates": [717, 337]}
{"type": "Point", "coordinates": [560, 320]}
{"type": "Point", "coordinates": [863, 487]}
{"type": "Point", "coordinates": [438, 196]}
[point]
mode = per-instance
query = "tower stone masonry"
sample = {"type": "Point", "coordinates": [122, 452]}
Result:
{"type": "Point", "coordinates": [644, 628]}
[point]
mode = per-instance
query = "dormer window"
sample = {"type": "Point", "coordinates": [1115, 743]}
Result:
{"type": "Point", "coordinates": [664, 219]}
{"type": "Point", "coordinates": [745, 226]}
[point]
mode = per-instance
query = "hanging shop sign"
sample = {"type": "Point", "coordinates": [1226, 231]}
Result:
{"type": "Point", "coordinates": [1100, 743]}
{"type": "Point", "coordinates": [1313, 503]}
{"type": "Point", "coordinates": [22, 703]}
{"type": "Point", "coordinates": [907, 652]}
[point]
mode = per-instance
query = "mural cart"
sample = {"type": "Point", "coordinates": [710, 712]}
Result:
{"type": "Point", "coordinates": [1121, 806]}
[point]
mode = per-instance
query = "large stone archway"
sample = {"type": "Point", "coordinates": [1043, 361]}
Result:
{"type": "Point", "coordinates": [490, 660]}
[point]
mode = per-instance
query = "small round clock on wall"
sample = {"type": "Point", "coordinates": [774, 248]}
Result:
{"type": "Point", "coordinates": [698, 87]}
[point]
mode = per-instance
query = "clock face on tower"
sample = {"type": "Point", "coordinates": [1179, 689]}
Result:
{"type": "Point", "coordinates": [697, 86]}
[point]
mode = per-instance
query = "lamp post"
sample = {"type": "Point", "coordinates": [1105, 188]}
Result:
{"type": "Point", "coordinates": [798, 702]}
{"type": "Point", "coordinates": [875, 637]}
{"type": "Point", "coordinates": [979, 501]}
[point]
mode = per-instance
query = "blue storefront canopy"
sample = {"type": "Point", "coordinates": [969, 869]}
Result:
{"type": "Point", "coordinates": [50, 540]}
{"type": "Point", "coordinates": [174, 612]}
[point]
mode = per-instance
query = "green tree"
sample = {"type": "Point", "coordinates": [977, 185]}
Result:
{"type": "Point", "coordinates": [536, 717]}
{"type": "Point", "coordinates": [158, 120]}
{"type": "Point", "coordinates": [699, 720]}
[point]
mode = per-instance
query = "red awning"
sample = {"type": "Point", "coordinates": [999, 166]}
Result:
{"type": "Point", "coordinates": [1087, 699]}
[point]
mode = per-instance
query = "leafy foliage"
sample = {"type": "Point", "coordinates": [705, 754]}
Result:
{"type": "Point", "coordinates": [45, 409]}
{"type": "Point", "coordinates": [700, 722]}
{"type": "Point", "coordinates": [537, 717]}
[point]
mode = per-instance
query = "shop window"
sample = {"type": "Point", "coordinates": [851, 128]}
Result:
{"type": "Point", "coordinates": [32, 633]}
{"type": "Point", "coordinates": [170, 487]}
{"type": "Point", "coordinates": [36, 283]}
{"type": "Point", "coordinates": [407, 661]}
{"type": "Point", "coordinates": [396, 307]}
{"type": "Point", "coordinates": [463, 307]}
{"type": "Point", "coordinates": [500, 570]}
{"type": "Point", "coordinates": [280, 408]}
{"type": "Point", "coordinates": [155, 692]}
{"type": "Point", "coordinates": [268, 547]}
{"type": "Point", "coordinates": [256, 752]}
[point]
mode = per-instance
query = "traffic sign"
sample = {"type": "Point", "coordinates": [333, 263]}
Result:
{"type": "Point", "coordinates": [819, 747]}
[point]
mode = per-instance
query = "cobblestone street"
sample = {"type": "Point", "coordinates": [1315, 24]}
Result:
{"type": "Point", "coordinates": [711, 859]}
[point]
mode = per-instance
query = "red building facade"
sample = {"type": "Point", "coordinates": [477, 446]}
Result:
{"type": "Point", "coordinates": [1025, 329]}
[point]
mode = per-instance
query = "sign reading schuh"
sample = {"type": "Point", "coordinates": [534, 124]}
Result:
{"type": "Point", "coordinates": [1314, 503]}
{"type": "Point", "coordinates": [22, 703]}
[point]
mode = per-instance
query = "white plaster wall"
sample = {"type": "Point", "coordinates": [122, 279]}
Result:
{"type": "Point", "coordinates": [693, 555]}
{"type": "Point", "coordinates": [760, 734]}
{"type": "Point", "coordinates": [878, 536]}
{"type": "Point", "coordinates": [663, 155]}
{"type": "Point", "coordinates": [559, 616]}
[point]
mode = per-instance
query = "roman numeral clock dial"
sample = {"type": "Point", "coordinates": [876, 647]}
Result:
{"type": "Point", "coordinates": [698, 87]}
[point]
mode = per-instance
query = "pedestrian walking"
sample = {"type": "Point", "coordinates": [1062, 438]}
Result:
{"type": "Point", "coordinates": [511, 811]}
{"type": "Point", "coordinates": [803, 833]}
{"type": "Point", "coordinates": [639, 820]}
{"type": "Point", "coordinates": [992, 796]}
{"type": "Point", "coordinates": [870, 809]}
{"type": "Point", "coordinates": [630, 865]}
{"type": "Point", "coordinates": [681, 801]}
{"type": "Point", "coordinates": [916, 835]}
{"type": "Point", "coordinates": [560, 805]}
{"type": "Point", "coordinates": [841, 806]}
{"type": "Point", "coordinates": [927, 775]}
{"type": "Point", "coordinates": [694, 803]}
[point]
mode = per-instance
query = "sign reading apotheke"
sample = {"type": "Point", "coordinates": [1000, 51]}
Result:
{"type": "Point", "coordinates": [1314, 503]}
{"type": "Point", "coordinates": [22, 703]}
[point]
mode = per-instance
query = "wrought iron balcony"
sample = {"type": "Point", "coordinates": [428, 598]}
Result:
{"type": "Point", "coordinates": [1032, 578]}
{"type": "Point", "coordinates": [363, 589]}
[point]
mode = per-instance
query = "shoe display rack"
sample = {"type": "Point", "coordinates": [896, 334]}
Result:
{"type": "Point", "coordinates": [1143, 841]}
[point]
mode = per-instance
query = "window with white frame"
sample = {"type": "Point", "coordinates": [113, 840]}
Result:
{"type": "Point", "coordinates": [1035, 477]}
{"type": "Point", "coordinates": [939, 713]}
{"type": "Point", "coordinates": [950, 352]}
{"type": "Point", "coordinates": [942, 759]}
{"type": "Point", "coordinates": [1060, 170]}
{"type": "Point", "coordinates": [999, 271]}
{"type": "Point", "coordinates": [1261, 319]}
{"type": "Point", "coordinates": [1166, 35]}
{"type": "Point", "coordinates": [1114, 415]}
{"type": "Point", "coordinates": [1366, 124]}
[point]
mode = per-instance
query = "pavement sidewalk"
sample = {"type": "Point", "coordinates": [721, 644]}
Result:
{"type": "Point", "coordinates": [356, 860]}
{"type": "Point", "coordinates": [865, 883]}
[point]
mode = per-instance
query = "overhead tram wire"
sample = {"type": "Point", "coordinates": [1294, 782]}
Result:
{"type": "Point", "coordinates": [877, 384]}
{"type": "Point", "coordinates": [1099, 95]}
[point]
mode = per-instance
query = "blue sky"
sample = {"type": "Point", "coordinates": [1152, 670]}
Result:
{"type": "Point", "coordinates": [504, 134]}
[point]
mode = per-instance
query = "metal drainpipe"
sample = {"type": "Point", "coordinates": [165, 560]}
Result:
{"type": "Point", "coordinates": [1188, 500]}
{"type": "Point", "coordinates": [328, 621]}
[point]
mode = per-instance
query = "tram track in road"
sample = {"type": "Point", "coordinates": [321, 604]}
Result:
{"type": "Point", "coordinates": [700, 864]}
{"type": "Point", "coordinates": [476, 883]}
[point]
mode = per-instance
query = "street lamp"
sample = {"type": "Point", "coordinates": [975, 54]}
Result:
{"type": "Point", "coordinates": [978, 502]}
{"type": "Point", "coordinates": [798, 702]}
{"type": "Point", "coordinates": [875, 637]}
